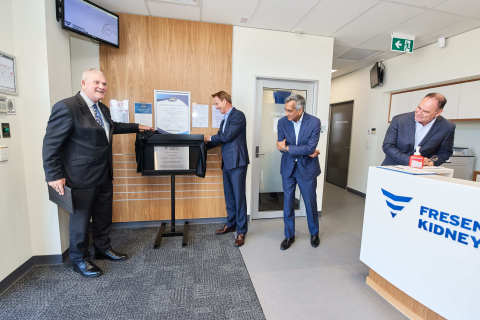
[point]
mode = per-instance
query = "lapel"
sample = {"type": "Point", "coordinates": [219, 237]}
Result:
{"type": "Point", "coordinates": [228, 122]}
{"type": "Point", "coordinates": [302, 126]}
{"type": "Point", "coordinates": [290, 131]}
{"type": "Point", "coordinates": [411, 129]}
{"type": "Point", "coordinates": [85, 110]}
{"type": "Point", "coordinates": [431, 131]}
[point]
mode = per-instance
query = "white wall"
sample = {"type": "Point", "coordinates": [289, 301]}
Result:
{"type": "Point", "coordinates": [84, 54]}
{"type": "Point", "coordinates": [14, 221]}
{"type": "Point", "coordinates": [426, 66]}
{"type": "Point", "coordinates": [279, 55]}
{"type": "Point", "coordinates": [30, 224]}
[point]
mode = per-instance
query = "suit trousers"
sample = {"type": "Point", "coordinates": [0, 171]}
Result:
{"type": "Point", "coordinates": [235, 199]}
{"type": "Point", "coordinates": [91, 204]}
{"type": "Point", "coordinates": [308, 189]}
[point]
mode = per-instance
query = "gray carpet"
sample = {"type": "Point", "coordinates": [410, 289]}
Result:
{"type": "Point", "coordinates": [205, 280]}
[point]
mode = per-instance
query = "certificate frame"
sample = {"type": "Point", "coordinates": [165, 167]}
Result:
{"type": "Point", "coordinates": [162, 119]}
{"type": "Point", "coordinates": [11, 85]}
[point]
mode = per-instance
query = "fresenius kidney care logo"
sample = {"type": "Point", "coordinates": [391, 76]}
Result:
{"type": "Point", "coordinates": [395, 203]}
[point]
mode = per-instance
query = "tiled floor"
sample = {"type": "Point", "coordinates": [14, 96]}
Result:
{"type": "Point", "coordinates": [323, 283]}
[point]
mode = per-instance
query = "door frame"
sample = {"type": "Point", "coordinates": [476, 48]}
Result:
{"type": "Point", "coordinates": [328, 137]}
{"type": "Point", "coordinates": [260, 83]}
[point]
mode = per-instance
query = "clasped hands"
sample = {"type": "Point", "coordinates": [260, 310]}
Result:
{"type": "Point", "coordinates": [282, 146]}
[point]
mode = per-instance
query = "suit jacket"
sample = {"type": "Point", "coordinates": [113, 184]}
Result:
{"type": "Point", "coordinates": [75, 146]}
{"type": "Point", "coordinates": [233, 140]}
{"type": "Point", "coordinates": [307, 143]}
{"type": "Point", "coordinates": [399, 142]}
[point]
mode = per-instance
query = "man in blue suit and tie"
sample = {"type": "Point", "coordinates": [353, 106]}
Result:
{"type": "Point", "coordinates": [232, 136]}
{"type": "Point", "coordinates": [424, 128]}
{"type": "Point", "coordinates": [298, 134]}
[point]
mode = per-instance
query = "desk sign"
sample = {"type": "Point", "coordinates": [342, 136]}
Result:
{"type": "Point", "coordinates": [422, 234]}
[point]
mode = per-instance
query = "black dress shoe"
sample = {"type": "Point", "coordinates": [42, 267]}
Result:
{"type": "Point", "coordinates": [314, 241]}
{"type": "Point", "coordinates": [286, 243]}
{"type": "Point", "coordinates": [110, 254]}
{"type": "Point", "coordinates": [87, 269]}
{"type": "Point", "coordinates": [224, 230]}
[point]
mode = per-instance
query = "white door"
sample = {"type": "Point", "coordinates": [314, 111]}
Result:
{"type": "Point", "coordinates": [267, 190]}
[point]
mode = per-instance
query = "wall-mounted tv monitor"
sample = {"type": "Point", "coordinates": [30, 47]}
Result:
{"type": "Point", "coordinates": [376, 75]}
{"type": "Point", "coordinates": [88, 19]}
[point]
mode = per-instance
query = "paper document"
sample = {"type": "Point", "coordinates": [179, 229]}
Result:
{"type": "Point", "coordinates": [143, 114]}
{"type": "Point", "coordinates": [172, 111]}
{"type": "Point", "coordinates": [199, 115]}
{"type": "Point", "coordinates": [119, 111]}
{"type": "Point", "coordinates": [217, 117]}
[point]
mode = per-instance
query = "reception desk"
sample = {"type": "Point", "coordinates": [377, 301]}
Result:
{"type": "Point", "coordinates": [421, 241]}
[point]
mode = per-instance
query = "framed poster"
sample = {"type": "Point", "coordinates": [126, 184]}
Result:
{"type": "Point", "coordinates": [8, 74]}
{"type": "Point", "coordinates": [172, 111]}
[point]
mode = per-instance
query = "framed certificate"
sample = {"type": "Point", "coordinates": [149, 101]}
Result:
{"type": "Point", "coordinates": [8, 74]}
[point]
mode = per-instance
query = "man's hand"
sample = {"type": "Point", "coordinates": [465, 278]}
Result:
{"type": "Point", "coordinates": [282, 145]}
{"type": "Point", "coordinates": [58, 185]}
{"type": "Point", "coordinates": [427, 162]}
{"type": "Point", "coordinates": [315, 154]}
{"type": "Point", "coordinates": [207, 138]}
{"type": "Point", "coordinates": [141, 127]}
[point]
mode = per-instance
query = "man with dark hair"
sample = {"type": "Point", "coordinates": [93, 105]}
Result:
{"type": "Point", "coordinates": [424, 128]}
{"type": "Point", "coordinates": [298, 135]}
{"type": "Point", "coordinates": [232, 137]}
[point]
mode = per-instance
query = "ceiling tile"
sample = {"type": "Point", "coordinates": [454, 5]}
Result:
{"type": "Point", "coordinates": [227, 11]}
{"type": "Point", "coordinates": [381, 17]}
{"type": "Point", "coordinates": [125, 6]}
{"type": "Point", "coordinates": [358, 54]}
{"type": "Point", "coordinates": [280, 14]}
{"type": "Point", "coordinates": [421, 3]}
{"type": "Point", "coordinates": [468, 8]}
{"type": "Point", "coordinates": [339, 49]}
{"type": "Point", "coordinates": [427, 23]}
{"type": "Point", "coordinates": [175, 11]}
{"type": "Point", "coordinates": [328, 16]}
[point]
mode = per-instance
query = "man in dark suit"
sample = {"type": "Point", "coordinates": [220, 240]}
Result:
{"type": "Point", "coordinates": [232, 136]}
{"type": "Point", "coordinates": [77, 152]}
{"type": "Point", "coordinates": [424, 128]}
{"type": "Point", "coordinates": [298, 135]}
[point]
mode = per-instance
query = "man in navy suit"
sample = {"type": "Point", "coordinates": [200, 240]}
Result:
{"type": "Point", "coordinates": [298, 134]}
{"type": "Point", "coordinates": [424, 128]}
{"type": "Point", "coordinates": [232, 136]}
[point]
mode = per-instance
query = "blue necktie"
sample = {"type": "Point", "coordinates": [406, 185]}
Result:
{"type": "Point", "coordinates": [98, 117]}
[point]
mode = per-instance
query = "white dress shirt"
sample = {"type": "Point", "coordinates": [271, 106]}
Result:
{"type": "Point", "coordinates": [90, 104]}
{"type": "Point", "coordinates": [296, 127]}
{"type": "Point", "coordinates": [422, 130]}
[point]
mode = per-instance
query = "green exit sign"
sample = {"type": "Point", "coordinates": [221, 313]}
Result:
{"type": "Point", "coordinates": [402, 43]}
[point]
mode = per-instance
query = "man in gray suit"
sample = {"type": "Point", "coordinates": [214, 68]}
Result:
{"type": "Point", "coordinates": [424, 128]}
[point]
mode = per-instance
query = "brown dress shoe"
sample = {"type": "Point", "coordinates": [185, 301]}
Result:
{"type": "Point", "coordinates": [240, 240]}
{"type": "Point", "coordinates": [225, 229]}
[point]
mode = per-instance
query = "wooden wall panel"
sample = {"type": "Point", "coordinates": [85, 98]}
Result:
{"type": "Point", "coordinates": [166, 54]}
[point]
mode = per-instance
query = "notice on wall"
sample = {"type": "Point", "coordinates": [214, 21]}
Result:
{"type": "Point", "coordinates": [143, 114]}
{"type": "Point", "coordinates": [172, 111]}
{"type": "Point", "coordinates": [217, 117]}
{"type": "Point", "coordinates": [119, 110]}
{"type": "Point", "coordinates": [199, 115]}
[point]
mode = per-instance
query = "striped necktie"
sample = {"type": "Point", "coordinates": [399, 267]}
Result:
{"type": "Point", "coordinates": [98, 117]}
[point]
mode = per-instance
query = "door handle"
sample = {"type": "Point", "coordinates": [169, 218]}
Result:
{"type": "Point", "coordinates": [257, 152]}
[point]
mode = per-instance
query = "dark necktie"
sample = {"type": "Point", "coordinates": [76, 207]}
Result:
{"type": "Point", "coordinates": [98, 117]}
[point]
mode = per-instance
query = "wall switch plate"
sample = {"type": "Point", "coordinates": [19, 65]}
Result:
{"type": "Point", "coordinates": [3, 153]}
{"type": "Point", "coordinates": [6, 130]}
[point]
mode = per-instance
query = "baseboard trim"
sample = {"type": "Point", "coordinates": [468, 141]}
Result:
{"type": "Point", "coordinates": [18, 273]}
{"type": "Point", "coordinates": [358, 193]}
{"type": "Point", "coordinates": [157, 223]}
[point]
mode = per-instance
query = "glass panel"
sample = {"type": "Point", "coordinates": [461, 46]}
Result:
{"type": "Point", "coordinates": [270, 190]}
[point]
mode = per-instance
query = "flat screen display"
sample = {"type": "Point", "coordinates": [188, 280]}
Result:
{"type": "Point", "coordinates": [88, 19]}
